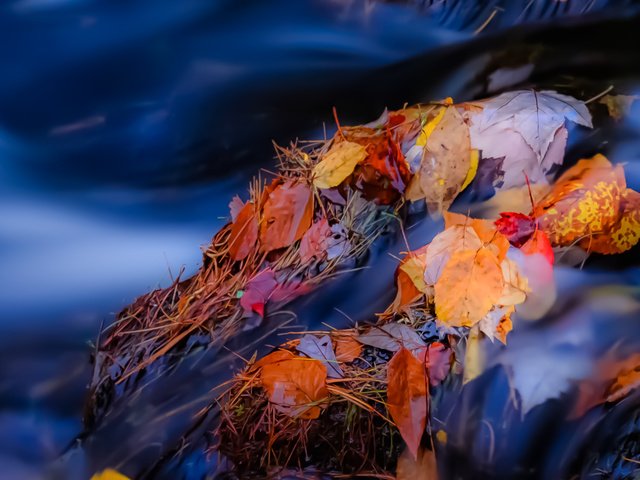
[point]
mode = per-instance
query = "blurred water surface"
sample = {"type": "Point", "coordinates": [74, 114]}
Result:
{"type": "Point", "coordinates": [126, 127]}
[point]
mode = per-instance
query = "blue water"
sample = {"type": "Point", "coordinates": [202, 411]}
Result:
{"type": "Point", "coordinates": [126, 127]}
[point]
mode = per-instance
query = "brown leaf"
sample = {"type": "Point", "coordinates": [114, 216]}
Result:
{"type": "Point", "coordinates": [296, 386]}
{"type": "Point", "coordinates": [244, 232]}
{"type": "Point", "coordinates": [407, 397]}
{"type": "Point", "coordinates": [470, 285]}
{"type": "Point", "coordinates": [288, 213]}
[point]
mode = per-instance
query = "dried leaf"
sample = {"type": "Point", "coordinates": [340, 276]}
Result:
{"type": "Point", "coordinates": [315, 241]}
{"type": "Point", "coordinates": [338, 164]}
{"type": "Point", "coordinates": [244, 233]}
{"type": "Point", "coordinates": [470, 285]}
{"type": "Point", "coordinates": [497, 323]}
{"type": "Point", "coordinates": [347, 347]}
{"type": "Point", "coordinates": [321, 349]}
{"type": "Point", "coordinates": [392, 337]}
{"type": "Point", "coordinates": [258, 291]}
{"type": "Point", "coordinates": [407, 397]}
{"type": "Point", "coordinates": [296, 386]}
{"type": "Point", "coordinates": [453, 239]}
{"type": "Point", "coordinates": [288, 213]}
{"type": "Point", "coordinates": [584, 201]}
{"type": "Point", "coordinates": [424, 467]}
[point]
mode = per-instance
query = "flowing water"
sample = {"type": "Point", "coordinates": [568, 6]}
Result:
{"type": "Point", "coordinates": [126, 127]}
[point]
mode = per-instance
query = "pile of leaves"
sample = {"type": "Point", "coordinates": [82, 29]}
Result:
{"type": "Point", "coordinates": [319, 215]}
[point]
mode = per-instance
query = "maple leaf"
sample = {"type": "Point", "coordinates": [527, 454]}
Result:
{"type": "Point", "coordinates": [446, 243]}
{"type": "Point", "coordinates": [446, 162]}
{"type": "Point", "coordinates": [315, 241]}
{"type": "Point", "coordinates": [486, 230]}
{"type": "Point", "coordinates": [109, 474]}
{"type": "Point", "coordinates": [407, 397]}
{"type": "Point", "coordinates": [392, 337]}
{"type": "Point", "coordinates": [244, 232]}
{"type": "Point", "coordinates": [469, 286]}
{"type": "Point", "coordinates": [321, 349]}
{"type": "Point", "coordinates": [528, 129]}
{"type": "Point", "coordinates": [338, 164]}
{"type": "Point", "coordinates": [287, 215]}
{"type": "Point", "coordinates": [584, 201]}
{"type": "Point", "coordinates": [296, 386]}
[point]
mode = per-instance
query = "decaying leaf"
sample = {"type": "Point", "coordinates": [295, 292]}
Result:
{"type": "Point", "coordinates": [470, 285]}
{"type": "Point", "coordinates": [296, 386]}
{"type": "Point", "coordinates": [584, 201]}
{"type": "Point", "coordinates": [392, 337]}
{"type": "Point", "coordinates": [338, 164]}
{"type": "Point", "coordinates": [321, 349]}
{"type": "Point", "coordinates": [421, 467]}
{"type": "Point", "coordinates": [288, 213]}
{"type": "Point", "coordinates": [244, 231]}
{"type": "Point", "coordinates": [407, 397]}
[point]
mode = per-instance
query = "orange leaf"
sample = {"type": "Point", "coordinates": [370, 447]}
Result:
{"type": "Point", "coordinates": [288, 213]}
{"type": "Point", "coordinates": [407, 397]}
{"type": "Point", "coordinates": [410, 278]}
{"type": "Point", "coordinates": [539, 243]}
{"type": "Point", "coordinates": [470, 285]}
{"type": "Point", "coordinates": [486, 230]}
{"type": "Point", "coordinates": [347, 348]}
{"type": "Point", "coordinates": [584, 201]}
{"type": "Point", "coordinates": [296, 386]}
{"type": "Point", "coordinates": [244, 232]}
{"type": "Point", "coordinates": [273, 357]}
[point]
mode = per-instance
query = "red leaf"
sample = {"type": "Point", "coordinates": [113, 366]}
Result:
{"type": "Point", "coordinates": [407, 397]}
{"type": "Point", "coordinates": [288, 213]}
{"type": "Point", "coordinates": [438, 362]}
{"type": "Point", "coordinates": [539, 243]}
{"type": "Point", "coordinates": [244, 232]}
{"type": "Point", "coordinates": [258, 291]}
{"type": "Point", "coordinates": [517, 227]}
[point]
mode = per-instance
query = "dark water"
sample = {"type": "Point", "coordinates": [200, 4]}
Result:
{"type": "Point", "coordinates": [126, 127]}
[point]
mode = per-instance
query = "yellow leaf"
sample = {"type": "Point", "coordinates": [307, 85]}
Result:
{"type": "Point", "coordinates": [428, 129]}
{"type": "Point", "coordinates": [516, 285]}
{"type": "Point", "coordinates": [474, 159]}
{"type": "Point", "coordinates": [338, 164]}
{"type": "Point", "coordinates": [622, 236]}
{"type": "Point", "coordinates": [441, 436]}
{"type": "Point", "coordinates": [109, 474]}
{"type": "Point", "coordinates": [414, 267]}
{"type": "Point", "coordinates": [470, 285]}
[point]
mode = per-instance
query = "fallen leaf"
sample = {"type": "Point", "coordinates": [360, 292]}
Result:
{"type": "Point", "coordinates": [624, 234]}
{"type": "Point", "coordinates": [321, 349]}
{"type": "Point", "coordinates": [470, 285]}
{"type": "Point", "coordinates": [517, 227]}
{"type": "Point", "coordinates": [454, 239]}
{"type": "Point", "coordinates": [407, 291]}
{"type": "Point", "coordinates": [424, 467]}
{"type": "Point", "coordinates": [296, 386]}
{"type": "Point", "coordinates": [347, 347]}
{"type": "Point", "coordinates": [446, 162]}
{"type": "Point", "coordinates": [235, 206]}
{"type": "Point", "coordinates": [486, 230]}
{"type": "Point", "coordinates": [287, 215]}
{"type": "Point", "coordinates": [315, 241]}
{"type": "Point", "coordinates": [527, 128]}
{"type": "Point", "coordinates": [497, 323]}
{"type": "Point", "coordinates": [273, 357]}
{"type": "Point", "coordinates": [109, 474]}
{"type": "Point", "coordinates": [539, 243]}
{"type": "Point", "coordinates": [410, 278]}
{"type": "Point", "coordinates": [257, 291]}
{"type": "Point", "coordinates": [407, 397]}
{"type": "Point", "coordinates": [619, 105]}
{"type": "Point", "coordinates": [244, 232]}
{"type": "Point", "coordinates": [392, 337]}
{"type": "Point", "coordinates": [516, 285]}
{"type": "Point", "coordinates": [338, 164]}
{"type": "Point", "coordinates": [584, 201]}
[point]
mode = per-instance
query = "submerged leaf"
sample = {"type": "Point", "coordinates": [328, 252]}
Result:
{"type": "Point", "coordinates": [407, 397]}
{"type": "Point", "coordinates": [296, 386]}
{"type": "Point", "coordinates": [392, 337]}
